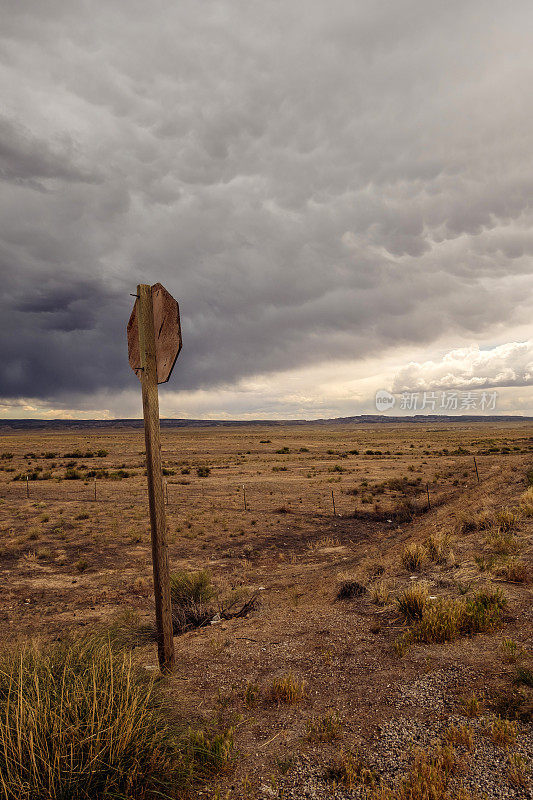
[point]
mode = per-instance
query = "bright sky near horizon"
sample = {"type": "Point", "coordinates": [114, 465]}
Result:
{"type": "Point", "coordinates": [338, 194]}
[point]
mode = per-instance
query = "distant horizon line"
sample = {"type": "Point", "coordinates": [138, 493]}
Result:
{"type": "Point", "coordinates": [37, 422]}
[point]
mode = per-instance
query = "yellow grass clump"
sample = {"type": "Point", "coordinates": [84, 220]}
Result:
{"type": "Point", "coordinates": [526, 502]}
{"type": "Point", "coordinates": [287, 689]}
{"type": "Point", "coordinates": [78, 720]}
{"type": "Point", "coordinates": [444, 619]}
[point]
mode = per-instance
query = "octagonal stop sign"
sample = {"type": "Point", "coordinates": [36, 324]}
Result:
{"type": "Point", "coordinates": [167, 333]}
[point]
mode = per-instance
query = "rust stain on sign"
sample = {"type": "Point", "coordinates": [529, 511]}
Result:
{"type": "Point", "coordinates": [167, 334]}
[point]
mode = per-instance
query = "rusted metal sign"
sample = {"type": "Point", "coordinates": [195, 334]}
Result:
{"type": "Point", "coordinates": [167, 332]}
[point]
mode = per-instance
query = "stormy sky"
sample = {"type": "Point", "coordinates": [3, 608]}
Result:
{"type": "Point", "coordinates": [338, 193]}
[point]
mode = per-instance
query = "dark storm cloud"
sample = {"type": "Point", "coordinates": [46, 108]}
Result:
{"type": "Point", "coordinates": [62, 338]}
{"type": "Point", "coordinates": [310, 180]}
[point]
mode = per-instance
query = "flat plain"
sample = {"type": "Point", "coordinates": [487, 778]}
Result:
{"type": "Point", "coordinates": [336, 676]}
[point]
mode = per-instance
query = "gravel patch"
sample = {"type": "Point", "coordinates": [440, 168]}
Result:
{"type": "Point", "coordinates": [432, 691]}
{"type": "Point", "coordinates": [485, 768]}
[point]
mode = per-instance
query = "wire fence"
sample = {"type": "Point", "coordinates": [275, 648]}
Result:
{"type": "Point", "coordinates": [247, 498]}
{"type": "Point", "coordinates": [254, 496]}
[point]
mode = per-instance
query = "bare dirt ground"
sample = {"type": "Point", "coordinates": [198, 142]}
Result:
{"type": "Point", "coordinates": [68, 560]}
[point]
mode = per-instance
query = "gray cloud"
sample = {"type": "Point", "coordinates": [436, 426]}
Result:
{"type": "Point", "coordinates": [26, 159]}
{"type": "Point", "coordinates": [311, 181]}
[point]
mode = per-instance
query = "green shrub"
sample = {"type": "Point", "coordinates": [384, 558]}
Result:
{"type": "Point", "coordinates": [119, 474]}
{"type": "Point", "coordinates": [191, 587]}
{"type": "Point", "coordinates": [191, 594]}
{"type": "Point", "coordinates": [203, 472]}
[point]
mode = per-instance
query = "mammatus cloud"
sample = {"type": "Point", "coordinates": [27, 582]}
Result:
{"type": "Point", "coordinates": [470, 368]}
{"type": "Point", "coordinates": [313, 182]}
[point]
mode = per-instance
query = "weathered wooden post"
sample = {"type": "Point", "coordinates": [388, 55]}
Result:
{"type": "Point", "coordinates": [333, 501]}
{"type": "Point", "coordinates": [244, 496]}
{"type": "Point", "coordinates": [27, 486]}
{"type": "Point", "coordinates": [154, 341]}
{"type": "Point", "coordinates": [95, 487]}
{"type": "Point", "coordinates": [475, 465]}
{"type": "Point", "coordinates": [429, 501]}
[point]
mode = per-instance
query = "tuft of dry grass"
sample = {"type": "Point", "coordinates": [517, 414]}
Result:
{"type": "Point", "coordinates": [503, 543]}
{"type": "Point", "coordinates": [473, 706]}
{"type": "Point", "coordinates": [502, 731]}
{"type": "Point", "coordinates": [349, 770]}
{"type": "Point", "coordinates": [404, 511]}
{"type": "Point", "coordinates": [252, 694]}
{"type": "Point", "coordinates": [77, 719]}
{"type": "Point", "coordinates": [428, 778]}
{"type": "Point", "coordinates": [191, 587]}
{"type": "Point", "coordinates": [204, 753]}
{"type": "Point", "coordinates": [325, 728]}
{"type": "Point", "coordinates": [517, 770]}
{"type": "Point", "coordinates": [191, 593]}
{"type": "Point", "coordinates": [524, 676]}
{"type": "Point", "coordinates": [516, 572]}
{"type": "Point", "coordinates": [413, 600]}
{"type": "Point", "coordinates": [506, 520]}
{"type": "Point", "coordinates": [471, 520]}
{"type": "Point", "coordinates": [287, 689]}
{"type": "Point", "coordinates": [447, 618]}
{"type": "Point", "coordinates": [526, 503]}
{"type": "Point", "coordinates": [460, 735]}
{"type": "Point", "coordinates": [381, 593]}
{"type": "Point", "coordinates": [413, 557]}
{"type": "Point", "coordinates": [511, 650]}
{"type": "Point", "coordinates": [438, 547]}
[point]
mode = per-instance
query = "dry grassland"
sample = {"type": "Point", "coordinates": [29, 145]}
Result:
{"type": "Point", "coordinates": [435, 616]}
